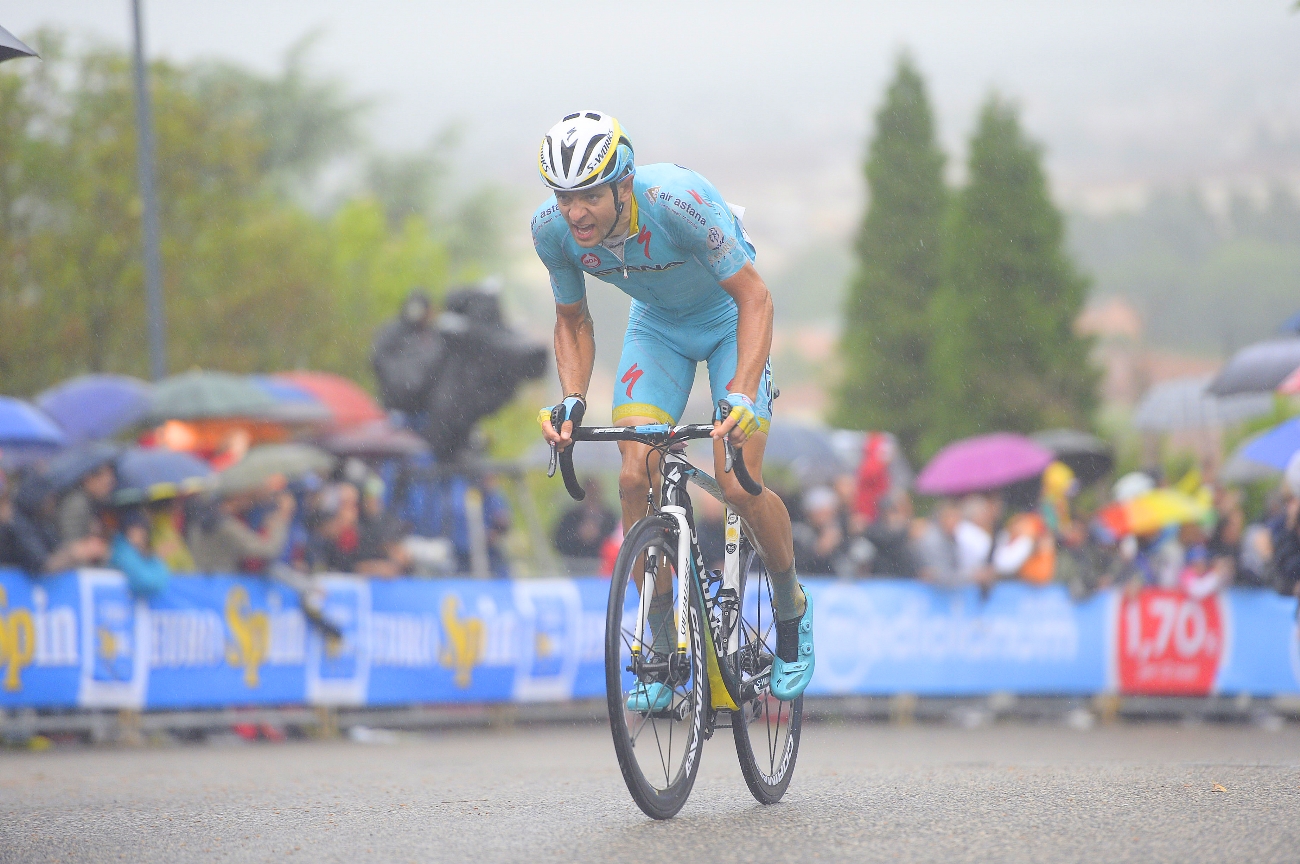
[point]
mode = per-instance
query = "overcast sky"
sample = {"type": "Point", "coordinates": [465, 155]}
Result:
{"type": "Point", "coordinates": [771, 100]}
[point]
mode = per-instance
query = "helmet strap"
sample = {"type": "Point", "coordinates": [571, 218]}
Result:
{"type": "Point", "coordinates": [618, 210]}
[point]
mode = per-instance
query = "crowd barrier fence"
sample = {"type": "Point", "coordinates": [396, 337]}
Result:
{"type": "Point", "coordinates": [80, 640]}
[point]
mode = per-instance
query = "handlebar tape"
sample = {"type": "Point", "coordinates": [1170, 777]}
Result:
{"type": "Point", "coordinates": [738, 460]}
{"type": "Point", "coordinates": [558, 418]}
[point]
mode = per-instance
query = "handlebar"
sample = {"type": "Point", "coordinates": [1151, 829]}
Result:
{"type": "Point", "coordinates": [735, 458]}
{"type": "Point", "coordinates": [655, 434]}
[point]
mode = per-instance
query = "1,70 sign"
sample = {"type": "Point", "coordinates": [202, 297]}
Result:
{"type": "Point", "coordinates": [1169, 643]}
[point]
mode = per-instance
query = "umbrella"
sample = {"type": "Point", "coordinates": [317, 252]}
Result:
{"type": "Point", "coordinates": [1185, 403]}
{"type": "Point", "coordinates": [983, 463]}
{"type": "Point", "coordinates": [1089, 457]}
{"type": "Point", "coordinates": [293, 404]}
{"type": "Point", "coordinates": [347, 403]}
{"type": "Point", "coordinates": [70, 466]}
{"type": "Point", "coordinates": [96, 406]}
{"type": "Point", "coordinates": [1148, 513]}
{"type": "Point", "coordinates": [377, 438]}
{"type": "Point", "coordinates": [12, 47]}
{"type": "Point", "coordinates": [807, 451]}
{"type": "Point", "coordinates": [1258, 368]}
{"type": "Point", "coordinates": [1291, 385]}
{"type": "Point", "coordinates": [21, 423]}
{"type": "Point", "coordinates": [152, 474]}
{"type": "Point", "coordinates": [1239, 469]}
{"type": "Point", "coordinates": [199, 395]}
{"type": "Point", "coordinates": [291, 461]}
{"type": "Point", "coordinates": [1274, 447]}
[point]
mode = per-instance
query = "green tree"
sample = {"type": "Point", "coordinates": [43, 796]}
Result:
{"type": "Point", "coordinates": [1005, 354]}
{"type": "Point", "coordinates": [886, 342]}
{"type": "Point", "coordinates": [253, 280]}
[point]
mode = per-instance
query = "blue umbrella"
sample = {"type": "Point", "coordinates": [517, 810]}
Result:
{"type": "Point", "coordinates": [69, 467]}
{"type": "Point", "coordinates": [1275, 447]}
{"type": "Point", "coordinates": [21, 423]}
{"type": "Point", "coordinates": [152, 474]}
{"type": "Point", "coordinates": [96, 406]}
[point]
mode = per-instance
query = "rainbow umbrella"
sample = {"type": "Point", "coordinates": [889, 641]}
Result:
{"type": "Point", "coordinates": [1154, 511]}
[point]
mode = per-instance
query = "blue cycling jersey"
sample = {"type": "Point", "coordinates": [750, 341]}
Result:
{"type": "Point", "coordinates": [684, 240]}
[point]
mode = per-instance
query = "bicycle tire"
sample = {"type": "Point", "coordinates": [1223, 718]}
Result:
{"type": "Point", "coordinates": [628, 727]}
{"type": "Point", "coordinates": [767, 771]}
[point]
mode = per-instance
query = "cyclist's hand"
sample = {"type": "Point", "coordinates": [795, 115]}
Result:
{"type": "Point", "coordinates": [741, 422]}
{"type": "Point", "coordinates": [563, 437]}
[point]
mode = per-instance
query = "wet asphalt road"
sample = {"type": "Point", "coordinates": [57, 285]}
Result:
{"type": "Point", "coordinates": [552, 793]}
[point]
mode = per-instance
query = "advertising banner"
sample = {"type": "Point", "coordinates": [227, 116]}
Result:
{"type": "Point", "coordinates": [81, 640]}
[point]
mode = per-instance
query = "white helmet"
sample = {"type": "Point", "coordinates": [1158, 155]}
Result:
{"type": "Point", "coordinates": [584, 150]}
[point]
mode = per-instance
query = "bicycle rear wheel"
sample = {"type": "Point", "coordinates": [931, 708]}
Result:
{"type": "Point", "coordinates": [658, 750]}
{"type": "Point", "coordinates": [766, 729]}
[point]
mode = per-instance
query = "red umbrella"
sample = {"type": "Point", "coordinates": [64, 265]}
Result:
{"type": "Point", "coordinates": [348, 403]}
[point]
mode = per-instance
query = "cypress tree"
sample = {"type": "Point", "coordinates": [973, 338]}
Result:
{"type": "Point", "coordinates": [886, 331]}
{"type": "Point", "coordinates": [1005, 354]}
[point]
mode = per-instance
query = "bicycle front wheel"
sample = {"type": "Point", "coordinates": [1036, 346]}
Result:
{"type": "Point", "coordinates": [658, 740]}
{"type": "Point", "coordinates": [766, 729]}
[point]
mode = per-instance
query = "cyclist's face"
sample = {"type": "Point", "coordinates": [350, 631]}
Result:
{"type": "Point", "coordinates": [591, 213]}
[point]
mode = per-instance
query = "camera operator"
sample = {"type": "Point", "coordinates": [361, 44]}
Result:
{"type": "Point", "coordinates": [406, 355]}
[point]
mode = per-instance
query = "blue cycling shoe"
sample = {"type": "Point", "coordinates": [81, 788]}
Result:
{"type": "Point", "coordinates": [794, 639]}
{"type": "Point", "coordinates": [650, 697]}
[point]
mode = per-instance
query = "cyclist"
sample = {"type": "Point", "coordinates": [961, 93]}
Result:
{"type": "Point", "coordinates": [665, 236]}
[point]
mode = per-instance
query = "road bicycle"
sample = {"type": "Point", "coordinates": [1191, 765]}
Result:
{"type": "Point", "coordinates": [719, 674]}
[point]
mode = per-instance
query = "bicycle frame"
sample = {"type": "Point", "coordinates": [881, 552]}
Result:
{"type": "Point", "coordinates": [674, 503]}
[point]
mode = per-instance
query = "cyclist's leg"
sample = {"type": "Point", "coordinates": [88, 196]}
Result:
{"type": "Point", "coordinates": [765, 514]}
{"type": "Point", "coordinates": [769, 529]}
{"type": "Point", "coordinates": [653, 383]}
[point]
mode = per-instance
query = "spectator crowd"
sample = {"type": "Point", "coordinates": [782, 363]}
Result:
{"type": "Point", "coordinates": [1035, 532]}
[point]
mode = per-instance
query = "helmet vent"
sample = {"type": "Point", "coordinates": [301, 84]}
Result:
{"type": "Point", "coordinates": [570, 117]}
{"type": "Point", "coordinates": [591, 146]}
{"type": "Point", "coordinates": [590, 115]}
{"type": "Point", "coordinates": [566, 154]}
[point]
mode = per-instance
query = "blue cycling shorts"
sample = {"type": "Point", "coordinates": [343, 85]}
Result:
{"type": "Point", "coordinates": [657, 369]}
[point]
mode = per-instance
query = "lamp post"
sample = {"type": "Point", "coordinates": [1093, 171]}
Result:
{"type": "Point", "coordinates": [149, 198]}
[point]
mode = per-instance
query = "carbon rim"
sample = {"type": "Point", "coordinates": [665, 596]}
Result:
{"type": "Point", "coordinates": [766, 729]}
{"type": "Point", "coordinates": [658, 750]}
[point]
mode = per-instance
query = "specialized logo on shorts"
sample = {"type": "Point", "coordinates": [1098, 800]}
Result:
{"type": "Point", "coordinates": [644, 239]}
{"type": "Point", "coordinates": [630, 378]}
{"type": "Point", "coordinates": [590, 260]}
{"type": "Point", "coordinates": [652, 194]}
{"type": "Point", "coordinates": [715, 237]}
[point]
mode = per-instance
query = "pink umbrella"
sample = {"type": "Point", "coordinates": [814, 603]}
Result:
{"type": "Point", "coordinates": [982, 463]}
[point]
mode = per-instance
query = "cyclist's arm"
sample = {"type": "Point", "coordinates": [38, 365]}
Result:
{"type": "Point", "coordinates": [753, 331]}
{"type": "Point", "coordinates": [575, 356]}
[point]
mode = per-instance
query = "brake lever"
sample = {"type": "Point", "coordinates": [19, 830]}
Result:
{"type": "Point", "coordinates": [729, 452]}
{"type": "Point", "coordinates": [557, 415]}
